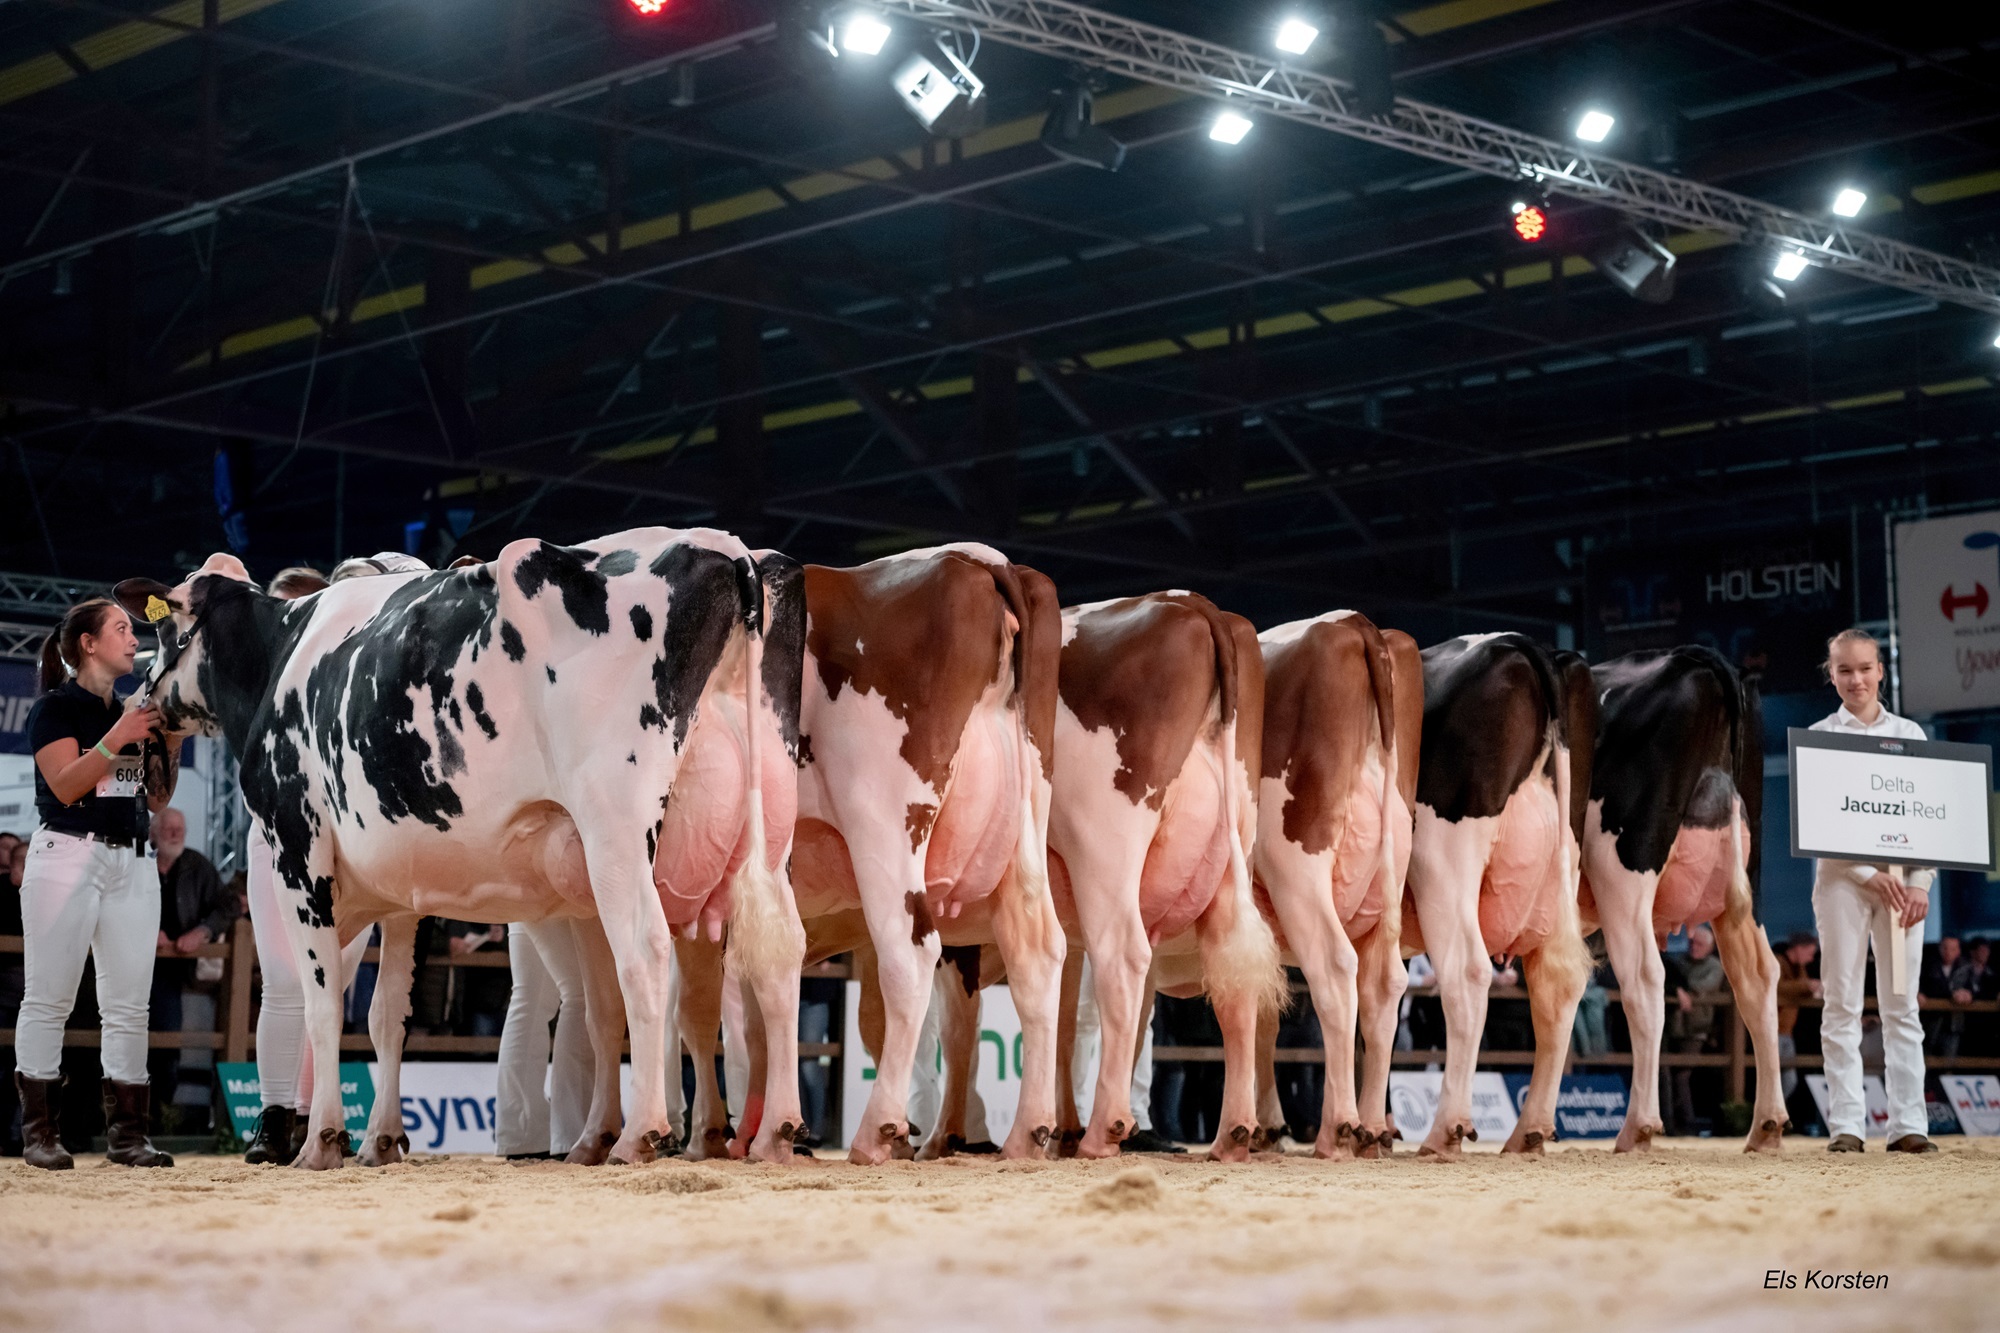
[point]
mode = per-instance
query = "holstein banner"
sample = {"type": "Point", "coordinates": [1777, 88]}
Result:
{"type": "Point", "coordinates": [1948, 613]}
{"type": "Point", "coordinates": [1766, 606]}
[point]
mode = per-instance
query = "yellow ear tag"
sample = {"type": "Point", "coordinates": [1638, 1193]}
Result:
{"type": "Point", "coordinates": [157, 610]}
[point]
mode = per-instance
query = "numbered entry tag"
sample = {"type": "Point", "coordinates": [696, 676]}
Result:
{"type": "Point", "coordinates": [127, 772]}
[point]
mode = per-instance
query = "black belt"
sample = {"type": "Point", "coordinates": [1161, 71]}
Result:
{"type": "Point", "coordinates": [108, 839]}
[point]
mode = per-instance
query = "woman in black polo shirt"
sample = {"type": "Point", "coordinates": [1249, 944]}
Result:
{"type": "Point", "coordinates": [90, 888]}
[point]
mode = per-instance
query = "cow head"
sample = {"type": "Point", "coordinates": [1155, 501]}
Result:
{"type": "Point", "coordinates": [213, 663]}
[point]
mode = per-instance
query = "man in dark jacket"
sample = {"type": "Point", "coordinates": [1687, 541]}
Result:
{"type": "Point", "coordinates": [196, 909]}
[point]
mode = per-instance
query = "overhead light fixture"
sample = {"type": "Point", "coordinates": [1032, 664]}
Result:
{"type": "Point", "coordinates": [1070, 135]}
{"type": "Point", "coordinates": [1595, 126]}
{"type": "Point", "coordinates": [1228, 127]}
{"type": "Point", "coordinates": [941, 90]}
{"type": "Point", "coordinates": [649, 7]}
{"type": "Point", "coordinates": [1848, 202]}
{"type": "Point", "coordinates": [864, 34]}
{"type": "Point", "coordinates": [1296, 36]}
{"type": "Point", "coordinates": [1531, 221]}
{"type": "Point", "coordinates": [1788, 265]}
{"type": "Point", "coordinates": [1638, 265]}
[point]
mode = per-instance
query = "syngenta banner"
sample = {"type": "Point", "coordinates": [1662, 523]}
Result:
{"type": "Point", "coordinates": [1948, 613]}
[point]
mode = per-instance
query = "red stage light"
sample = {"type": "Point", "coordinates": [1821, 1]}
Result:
{"type": "Point", "coordinates": [649, 6]}
{"type": "Point", "coordinates": [1530, 223]}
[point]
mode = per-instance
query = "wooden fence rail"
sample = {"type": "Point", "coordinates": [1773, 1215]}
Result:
{"type": "Point", "coordinates": [236, 1038]}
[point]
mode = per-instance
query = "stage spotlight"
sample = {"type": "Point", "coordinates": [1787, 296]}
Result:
{"type": "Point", "coordinates": [1788, 265]}
{"type": "Point", "coordinates": [863, 34]}
{"type": "Point", "coordinates": [1996, 340]}
{"type": "Point", "coordinates": [649, 7]}
{"type": "Point", "coordinates": [1637, 264]}
{"type": "Point", "coordinates": [1531, 221]}
{"type": "Point", "coordinates": [1070, 135]}
{"type": "Point", "coordinates": [1594, 126]}
{"type": "Point", "coordinates": [1296, 36]}
{"type": "Point", "coordinates": [1848, 202]}
{"type": "Point", "coordinates": [941, 91]}
{"type": "Point", "coordinates": [1228, 127]}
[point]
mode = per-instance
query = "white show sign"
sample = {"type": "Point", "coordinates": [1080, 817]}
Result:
{"type": "Point", "coordinates": [1975, 1100]}
{"type": "Point", "coordinates": [1881, 798]}
{"type": "Point", "coordinates": [1948, 613]}
{"type": "Point", "coordinates": [1413, 1099]}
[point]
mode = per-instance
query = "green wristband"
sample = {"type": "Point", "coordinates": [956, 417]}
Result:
{"type": "Point", "coordinates": [99, 747]}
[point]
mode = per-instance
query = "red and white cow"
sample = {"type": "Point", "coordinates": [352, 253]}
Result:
{"type": "Point", "coordinates": [1343, 714]}
{"type": "Point", "coordinates": [928, 716]}
{"type": "Point", "coordinates": [1157, 743]}
{"type": "Point", "coordinates": [1493, 873]}
{"type": "Point", "coordinates": [600, 731]}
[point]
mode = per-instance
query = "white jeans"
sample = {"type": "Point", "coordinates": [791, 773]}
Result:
{"type": "Point", "coordinates": [548, 984]}
{"type": "Point", "coordinates": [81, 898]}
{"type": "Point", "coordinates": [1850, 919]}
{"type": "Point", "coordinates": [281, 1020]}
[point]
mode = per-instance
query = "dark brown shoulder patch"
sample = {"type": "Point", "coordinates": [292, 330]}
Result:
{"type": "Point", "coordinates": [921, 925]}
{"type": "Point", "coordinates": [917, 818]}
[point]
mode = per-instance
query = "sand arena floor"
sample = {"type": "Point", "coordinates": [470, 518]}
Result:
{"type": "Point", "coordinates": [1681, 1239]}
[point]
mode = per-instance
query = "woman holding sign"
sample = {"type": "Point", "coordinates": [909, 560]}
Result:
{"type": "Point", "coordinates": [1855, 903]}
{"type": "Point", "coordinates": [89, 887]}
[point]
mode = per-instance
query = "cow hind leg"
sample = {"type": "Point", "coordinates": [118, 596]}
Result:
{"type": "Point", "coordinates": [958, 1039]}
{"type": "Point", "coordinates": [1069, 1125]}
{"type": "Point", "coordinates": [1035, 952]}
{"type": "Point", "coordinates": [1753, 979]}
{"type": "Point", "coordinates": [1271, 1125]}
{"type": "Point", "coordinates": [1299, 888]}
{"type": "Point", "coordinates": [1624, 902]}
{"type": "Point", "coordinates": [891, 879]}
{"type": "Point", "coordinates": [385, 1141]}
{"type": "Point", "coordinates": [604, 1020]}
{"type": "Point", "coordinates": [1383, 979]}
{"type": "Point", "coordinates": [701, 973]}
{"type": "Point", "coordinates": [1447, 869]}
{"type": "Point", "coordinates": [1555, 973]}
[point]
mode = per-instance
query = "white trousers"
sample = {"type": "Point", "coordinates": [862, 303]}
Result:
{"type": "Point", "coordinates": [926, 1104]}
{"type": "Point", "coordinates": [1089, 1044]}
{"type": "Point", "coordinates": [1850, 920]}
{"type": "Point", "coordinates": [81, 898]}
{"type": "Point", "coordinates": [548, 984]}
{"type": "Point", "coordinates": [281, 1018]}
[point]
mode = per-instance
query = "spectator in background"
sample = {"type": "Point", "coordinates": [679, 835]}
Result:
{"type": "Point", "coordinates": [1694, 980]}
{"type": "Point", "coordinates": [1947, 975]}
{"type": "Point", "coordinates": [13, 979]}
{"type": "Point", "coordinates": [1982, 1031]}
{"type": "Point", "coordinates": [1797, 983]}
{"type": "Point", "coordinates": [462, 1001]}
{"type": "Point", "coordinates": [1588, 1038]}
{"type": "Point", "coordinates": [196, 909]}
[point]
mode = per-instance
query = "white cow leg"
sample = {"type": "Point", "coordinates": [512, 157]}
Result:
{"type": "Point", "coordinates": [1555, 973]}
{"type": "Point", "coordinates": [388, 1012]}
{"type": "Point", "coordinates": [1753, 979]}
{"type": "Point", "coordinates": [318, 950]}
{"type": "Point", "coordinates": [745, 1060]}
{"type": "Point", "coordinates": [1271, 1124]}
{"type": "Point", "coordinates": [641, 945]}
{"type": "Point", "coordinates": [604, 1012]}
{"type": "Point", "coordinates": [1383, 977]}
{"type": "Point", "coordinates": [958, 1042]}
{"type": "Point", "coordinates": [1229, 933]}
{"type": "Point", "coordinates": [1035, 952]}
{"type": "Point", "coordinates": [1446, 870]}
{"type": "Point", "coordinates": [1301, 892]}
{"type": "Point", "coordinates": [701, 973]}
{"type": "Point", "coordinates": [775, 995]}
{"type": "Point", "coordinates": [891, 878]}
{"type": "Point", "coordinates": [1624, 901]}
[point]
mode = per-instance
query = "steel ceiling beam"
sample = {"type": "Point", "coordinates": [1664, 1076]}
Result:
{"type": "Point", "coordinates": [1249, 82]}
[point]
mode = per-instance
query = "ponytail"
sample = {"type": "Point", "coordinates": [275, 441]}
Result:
{"type": "Point", "coordinates": [62, 651]}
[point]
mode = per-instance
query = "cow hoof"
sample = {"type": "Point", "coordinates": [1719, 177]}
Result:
{"type": "Point", "coordinates": [777, 1147]}
{"type": "Point", "coordinates": [1768, 1136]}
{"type": "Point", "coordinates": [642, 1151]}
{"type": "Point", "coordinates": [592, 1151]}
{"type": "Point", "coordinates": [384, 1150]}
{"type": "Point", "coordinates": [1231, 1146]}
{"type": "Point", "coordinates": [1265, 1139]}
{"type": "Point", "coordinates": [1637, 1138]}
{"type": "Point", "coordinates": [712, 1145]}
{"type": "Point", "coordinates": [1377, 1144]}
{"type": "Point", "coordinates": [1070, 1143]}
{"type": "Point", "coordinates": [1041, 1136]}
{"type": "Point", "coordinates": [1528, 1143]}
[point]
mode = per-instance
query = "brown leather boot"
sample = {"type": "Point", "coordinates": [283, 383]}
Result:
{"type": "Point", "coordinates": [127, 1112]}
{"type": "Point", "coordinates": [41, 1101]}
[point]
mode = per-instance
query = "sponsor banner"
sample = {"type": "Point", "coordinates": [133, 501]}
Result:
{"type": "Point", "coordinates": [17, 697]}
{"type": "Point", "coordinates": [1413, 1099]}
{"type": "Point", "coordinates": [1881, 798]}
{"type": "Point", "coordinates": [1948, 613]}
{"type": "Point", "coordinates": [1873, 1094]}
{"type": "Point", "coordinates": [244, 1096]}
{"type": "Point", "coordinates": [1765, 605]}
{"type": "Point", "coordinates": [1588, 1106]}
{"type": "Point", "coordinates": [996, 1066]}
{"type": "Point", "coordinates": [1975, 1100]}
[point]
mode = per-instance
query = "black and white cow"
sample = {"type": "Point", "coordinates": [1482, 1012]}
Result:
{"type": "Point", "coordinates": [606, 731]}
{"type": "Point", "coordinates": [1670, 840]}
{"type": "Point", "coordinates": [1493, 870]}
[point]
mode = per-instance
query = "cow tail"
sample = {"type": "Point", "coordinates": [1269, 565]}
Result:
{"type": "Point", "coordinates": [764, 929]}
{"type": "Point", "coordinates": [1246, 960]}
{"type": "Point", "coordinates": [1746, 741]}
{"type": "Point", "coordinates": [1382, 683]}
{"type": "Point", "coordinates": [1031, 599]}
{"type": "Point", "coordinates": [1565, 958]}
